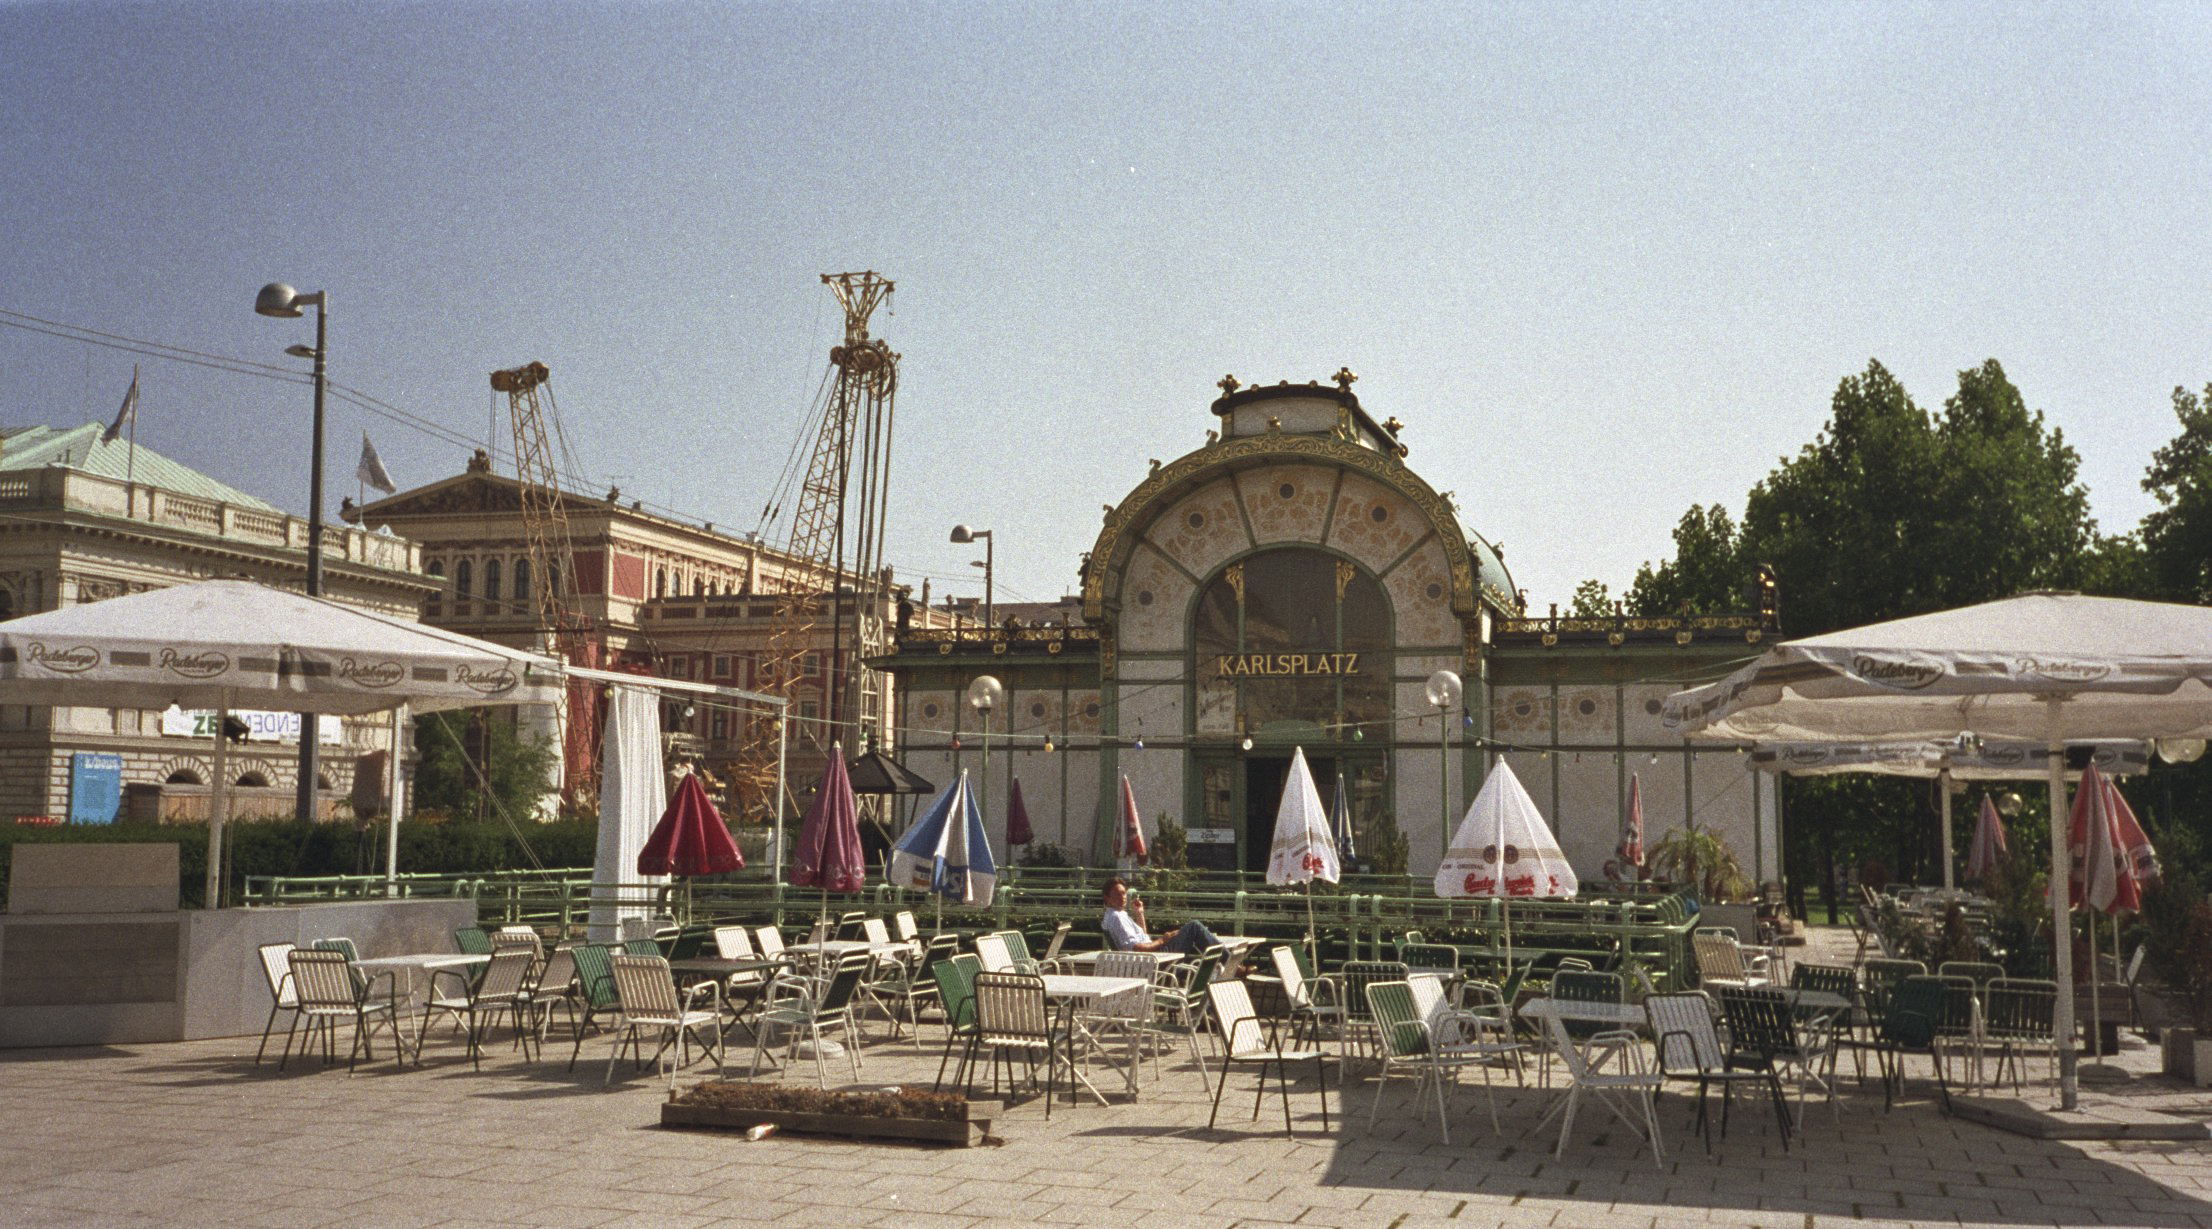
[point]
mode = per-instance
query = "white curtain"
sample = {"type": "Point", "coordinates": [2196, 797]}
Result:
{"type": "Point", "coordinates": [632, 795]}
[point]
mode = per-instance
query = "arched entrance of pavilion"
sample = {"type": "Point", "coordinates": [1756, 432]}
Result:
{"type": "Point", "coordinates": [1292, 646]}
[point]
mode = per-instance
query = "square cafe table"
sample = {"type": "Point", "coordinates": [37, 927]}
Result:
{"type": "Point", "coordinates": [427, 963]}
{"type": "Point", "coordinates": [1074, 991]}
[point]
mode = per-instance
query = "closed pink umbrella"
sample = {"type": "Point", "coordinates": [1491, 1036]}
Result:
{"type": "Point", "coordinates": [1018, 831]}
{"type": "Point", "coordinates": [829, 854]}
{"type": "Point", "coordinates": [1130, 833]}
{"type": "Point", "coordinates": [1989, 848]}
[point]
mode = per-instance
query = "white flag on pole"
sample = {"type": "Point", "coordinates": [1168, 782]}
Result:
{"type": "Point", "coordinates": [370, 471]}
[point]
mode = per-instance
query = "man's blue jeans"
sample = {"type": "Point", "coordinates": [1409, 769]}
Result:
{"type": "Point", "coordinates": [1190, 940]}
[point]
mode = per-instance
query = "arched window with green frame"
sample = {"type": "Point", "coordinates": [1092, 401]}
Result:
{"type": "Point", "coordinates": [1292, 642]}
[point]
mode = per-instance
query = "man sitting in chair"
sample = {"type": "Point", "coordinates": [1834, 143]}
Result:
{"type": "Point", "coordinates": [1126, 932]}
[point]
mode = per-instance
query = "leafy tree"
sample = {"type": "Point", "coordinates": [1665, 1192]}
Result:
{"type": "Point", "coordinates": [1707, 574]}
{"type": "Point", "coordinates": [1592, 600]}
{"type": "Point", "coordinates": [445, 780]}
{"type": "Point", "coordinates": [1894, 511]}
{"type": "Point", "coordinates": [2177, 535]}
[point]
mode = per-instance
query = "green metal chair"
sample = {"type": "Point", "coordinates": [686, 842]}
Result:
{"type": "Point", "coordinates": [1352, 981]}
{"type": "Point", "coordinates": [1913, 1024]}
{"type": "Point", "coordinates": [595, 989]}
{"type": "Point", "coordinates": [955, 976]}
{"type": "Point", "coordinates": [2018, 1016]}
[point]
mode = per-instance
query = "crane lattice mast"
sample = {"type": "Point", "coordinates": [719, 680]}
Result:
{"type": "Point", "coordinates": [855, 427]}
{"type": "Point", "coordinates": [563, 629]}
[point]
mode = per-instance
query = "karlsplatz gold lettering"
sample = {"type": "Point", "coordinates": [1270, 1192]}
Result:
{"type": "Point", "coordinates": [1285, 665]}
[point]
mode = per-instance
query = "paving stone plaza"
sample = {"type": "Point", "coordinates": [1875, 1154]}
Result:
{"type": "Point", "coordinates": [196, 1134]}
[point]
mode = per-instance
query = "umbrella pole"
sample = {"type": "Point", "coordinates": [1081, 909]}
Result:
{"type": "Point", "coordinates": [2062, 929]}
{"type": "Point", "coordinates": [1943, 783]}
{"type": "Point", "coordinates": [1313, 949]}
{"type": "Point", "coordinates": [218, 804]}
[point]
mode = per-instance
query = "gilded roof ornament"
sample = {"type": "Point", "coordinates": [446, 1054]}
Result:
{"type": "Point", "coordinates": [1228, 384]}
{"type": "Point", "coordinates": [1345, 378]}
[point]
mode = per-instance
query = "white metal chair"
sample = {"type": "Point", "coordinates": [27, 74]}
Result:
{"type": "Point", "coordinates": [1414, 1030]}
{"type": "Point", "coordinates": [1690, 1048]}
{"type": "Point", "coordinates": [991, 951]}
{"type": "Point", "coordinates": [1245, 1043]}
{"type": "Point", "coordinates": [813, 1008]}
{"type": "Point", "coordinates": [276, 965]}
{"type": "Point", "coordinates": [329, 991]}
{"type": "Point", "coordinates": [1629, 1088]}
{"type": "Point", "coordinates": [504, 986]}
{"type": "Point", "coordinates": [647, 991]}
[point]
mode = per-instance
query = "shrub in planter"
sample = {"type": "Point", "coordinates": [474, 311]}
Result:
{"type": "Point", "coordinates": [2177, 925]}
{"type": "Point", "coordinates": [904, 1113]}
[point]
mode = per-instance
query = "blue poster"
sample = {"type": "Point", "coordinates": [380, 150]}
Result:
{"type": "Point", "coordinates": [95, 787]}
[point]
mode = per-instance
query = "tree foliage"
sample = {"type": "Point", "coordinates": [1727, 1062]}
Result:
{"type": "Point", "coordinates": [445, 780]}
{"type": "Point", "coordinates": [1592, 600]}
{"type": "Point", "coordinates": [2177, 535]}
{"type": "Point", "coordinates": [1893, 511]}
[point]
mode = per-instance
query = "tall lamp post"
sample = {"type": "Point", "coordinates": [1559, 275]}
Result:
{"type": "Point", "coordinates": [1444, 691]}
{"type": "Point", "coordinates": [985, 694]}
{"type": "Point", "coordinates": [278, 299]}
{"type": "Point", "coordinates": [963, 535]}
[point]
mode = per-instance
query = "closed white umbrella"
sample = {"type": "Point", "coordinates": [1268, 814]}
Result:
{"type": "Point", "coordinates": [1302, 850]}
{"type": "Point", "coordinates": [2044, 667]}
{"type": "Point", "coordinates": [1505, 849]}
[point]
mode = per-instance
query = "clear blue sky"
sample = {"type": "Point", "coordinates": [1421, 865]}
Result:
{"type": "Point", "coordinates": [1604, 260]}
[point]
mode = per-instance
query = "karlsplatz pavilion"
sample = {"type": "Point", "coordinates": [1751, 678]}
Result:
{"type": "Point", "coordinates": [1294, 583]}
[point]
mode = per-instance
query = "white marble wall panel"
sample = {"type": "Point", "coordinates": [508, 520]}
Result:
{"type": "Point", "coordinates": [1415, 789]}
{"type": "Point", "coordinates": [1155, 605]}
{"type": "Point", "coordinates": [1374, 524]}
{"type": "Point", "coordinates": [1642, 715]}
{"type": "Point", "coordinates": [1032, 716]}
{"type": "Point", "coordinates": [1521, 714]}
{"type": "Point", "coordinates": [1587, 812]}
{"type": "Point", "coordinates": [1156, 778]}
{"type": "Point", "coordinates": [1154, 712]}
{"type": "Point", "coordinates": [1587, 715]}
{"type": "Point", "coordinates": [1202, 531]}
{"type": "Point", "coordinates": [929, 711]}
{"type": "Point", "coordinates": [1084, 713]}
{"type": "Point", "coordinates": [1287, 503]}
{"type": "Point", "coordinates": [1420, 597]}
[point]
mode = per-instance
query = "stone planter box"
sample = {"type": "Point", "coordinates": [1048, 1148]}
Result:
{"type": "Point", "coordinates": [2186, 1057]}
{"type": "Point", "coordinates": [963, 1133]}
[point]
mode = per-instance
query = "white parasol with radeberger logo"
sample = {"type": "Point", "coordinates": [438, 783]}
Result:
{"type": "Point", "coordinates": [2050, 668]}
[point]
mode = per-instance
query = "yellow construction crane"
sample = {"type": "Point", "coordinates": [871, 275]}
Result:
{"type": "Point", "coordinates": [566, 632]}
{"type": "Point", "coordinates": [841, 500]}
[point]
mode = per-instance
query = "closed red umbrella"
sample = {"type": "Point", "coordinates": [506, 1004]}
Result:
{"type": "Point", "coordinates": [829, 854]}
{"type": "Point", "coordinates": [1018, 831]}
{"type": "Point", "coordinates": [1990, 847]}
{"type": "Point", "coordinates": [1632, 839]}
{"type": "Point", "coordinates": [690, 838]}
{"type": "Point", "coordinates": [1131, 832]}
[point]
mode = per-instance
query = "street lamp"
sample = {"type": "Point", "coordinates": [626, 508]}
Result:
{"type": "Point", "coordinates": [1444, 690]}
{"type": "Point", "coordinates": [278, 299]}
{"type": "Point", "coordinates": [985, 694]}
{"type": "Point", "coordinates": [962, 535]}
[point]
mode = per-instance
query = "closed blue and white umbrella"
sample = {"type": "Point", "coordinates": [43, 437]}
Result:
{"type": "Point", "coordinates": [946, 852]}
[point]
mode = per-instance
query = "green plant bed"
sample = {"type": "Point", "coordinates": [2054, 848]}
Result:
{"type": "Point", "coordinates": [903, 1113]}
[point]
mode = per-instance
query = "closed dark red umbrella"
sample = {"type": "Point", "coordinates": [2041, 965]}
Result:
{"type": "Point", "coordinates": [690, 838]}
{"type": "Point", "coordinates": [1018, 831]}
{"type": "Point", "coordinates": [829, 854]}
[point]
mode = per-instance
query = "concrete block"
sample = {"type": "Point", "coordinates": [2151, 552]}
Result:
{"type": "Point", "coordinates": [93, 879]}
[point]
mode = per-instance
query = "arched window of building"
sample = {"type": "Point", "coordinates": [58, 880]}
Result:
{"type": "Point", "coordinates": [434, 568]}
{"type": "Point", "coordinates": [254, 779]}
{"type": "Point", "coordinates": [660, 582]}
{"type": "Point", "coordinates": [463, 579]}
{"type": "Point", "coordinates": [491, 580]}
{"type": "Point", "coordinates": [183, 776]}
{"type": "Point", "coordinates": [522, 582]}
{"type": "Point", "coordinates": [1291, 637]}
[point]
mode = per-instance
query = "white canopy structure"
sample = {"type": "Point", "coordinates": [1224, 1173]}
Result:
{"type": "Point", "coordinates": [227, 644]}
{"type": "Point", "coordinates": [2052, 668]}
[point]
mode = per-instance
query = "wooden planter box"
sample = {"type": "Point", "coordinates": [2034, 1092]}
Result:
{"type": "Point", "coordinates": [965, 1134]}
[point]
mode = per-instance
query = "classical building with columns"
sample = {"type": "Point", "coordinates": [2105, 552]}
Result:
{"type": "Point", "coordinates": [1294, 583]}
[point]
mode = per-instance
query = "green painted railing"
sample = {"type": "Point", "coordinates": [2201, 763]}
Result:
{"type": "Point", "coordinates": [1364, 917]}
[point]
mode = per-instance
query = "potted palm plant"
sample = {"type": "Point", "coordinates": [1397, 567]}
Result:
{"type": "Point", "coordinates": [2177, 929]}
